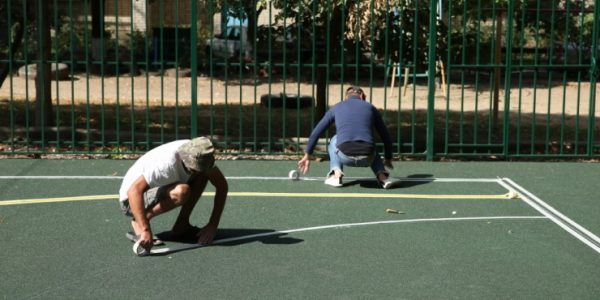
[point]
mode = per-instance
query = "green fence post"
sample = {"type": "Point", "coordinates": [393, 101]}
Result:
{"type": "Point", "coordinates": [507, 77]}
{"type": "Point", "coordinates": [593, 79]}
{"type": "Point", "coordinates": [43, 100]}
{"type": "Point", "coordinates": [431, 78]}
{"type": "Point", "coordinates": [194, 68]}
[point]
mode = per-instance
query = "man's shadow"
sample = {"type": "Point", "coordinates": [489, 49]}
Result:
{"type": "Point", "coordinates": [229, 237]}
{"type": "Point", "coordinates": [409, 182]}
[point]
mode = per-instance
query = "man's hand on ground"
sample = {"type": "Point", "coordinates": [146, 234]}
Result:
{"type": "Point", "coordinates": [146, 240]}
{"type": "Point", "coordinates": [207, 234]}
{"type": "Point", "coordinates": [388, 163]}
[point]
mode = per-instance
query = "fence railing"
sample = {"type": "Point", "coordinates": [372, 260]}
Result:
{"type": "Point", "coordinates": [479, 79]}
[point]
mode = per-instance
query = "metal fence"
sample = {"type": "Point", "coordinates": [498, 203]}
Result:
{"type": "Point", "coordinates": [479, 79]}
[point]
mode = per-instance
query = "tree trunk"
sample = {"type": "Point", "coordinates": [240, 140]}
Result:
{"type": "Point", "coordinates": [14, 47]}
{"type": "Point", "coordinates": [335, 36]}
{"type": "Point", "coordinates": [497, 70]}
{"type": "Point", "coordinates": [13, 43]}
{"type": "Point", "coordinates": [42, 82]}
{"type": "Point", "coordinates": [321, 106]}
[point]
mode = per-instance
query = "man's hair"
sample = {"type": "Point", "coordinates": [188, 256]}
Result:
{"type": "Point", "coordinates": [355, 91]}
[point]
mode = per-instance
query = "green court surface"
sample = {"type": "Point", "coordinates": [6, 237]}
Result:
{"type": "Point", "coordinates": [467, 230]}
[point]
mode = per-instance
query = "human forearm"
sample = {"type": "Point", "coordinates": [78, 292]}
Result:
{"type": "Point", "coordinates": [218, 207]}
{"type": "Point", "coordinates": [318, 131]}
{"type": "Point", "coordinates": [136, 204]}
{"type": "Point", "coordinates": [209, 231]}
{"type": "Point", "coordinates": [221, 190]}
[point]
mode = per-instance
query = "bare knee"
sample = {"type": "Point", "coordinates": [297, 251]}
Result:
{"type": "Point", "coordinates": [180, 194]}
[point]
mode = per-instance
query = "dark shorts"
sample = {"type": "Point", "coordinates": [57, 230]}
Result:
{"type": "Point", "coordinates": [151, 198]}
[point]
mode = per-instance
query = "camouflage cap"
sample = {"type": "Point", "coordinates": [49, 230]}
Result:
{"type": "Point", "coordinates": [198, 154]}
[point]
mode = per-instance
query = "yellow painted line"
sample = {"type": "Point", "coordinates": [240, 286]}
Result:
{"type": "Point", "coordinates": [262, 194]}
{"type": "Point", "coordinates": [361, 195]}
{"type": "Point", "coordinates": [60, 199]}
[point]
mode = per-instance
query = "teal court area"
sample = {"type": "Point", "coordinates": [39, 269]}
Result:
{"type": "Point", "coordinates": [465, 230]}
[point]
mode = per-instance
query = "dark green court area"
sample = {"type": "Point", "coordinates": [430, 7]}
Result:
{"type": "Point", "coordinates": [466, 230]}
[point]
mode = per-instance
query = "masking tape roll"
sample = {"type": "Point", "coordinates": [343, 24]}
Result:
{"type": "Point", "coordinates": [139, 250]}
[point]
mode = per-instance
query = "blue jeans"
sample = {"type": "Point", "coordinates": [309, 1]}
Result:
{"type": "Point", "coordinates": [337, 159]}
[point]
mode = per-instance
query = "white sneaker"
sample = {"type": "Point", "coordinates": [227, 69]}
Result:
{"type": "Point", "coordinates": [334, 181]}
{"type": "Point", "coordinates": [389, 183]}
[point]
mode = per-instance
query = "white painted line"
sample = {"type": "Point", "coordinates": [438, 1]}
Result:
{"type": "Point", "coordinates": [407, 179]}
{"type": "Point", "coordinates": [557, 217]}
{"type": "Point", "coordinates": [36, 177]}
{"type": "Point", "coordinates": [173, 249]}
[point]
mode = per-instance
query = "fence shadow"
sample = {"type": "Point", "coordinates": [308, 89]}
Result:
{"type": "Point", "coordinates": [256, 129]}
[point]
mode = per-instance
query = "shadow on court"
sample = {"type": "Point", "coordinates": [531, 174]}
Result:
{"type": "Point", "coordinates": [373, 184]}
{"type": "Point", "coordinates": [225, 237]}
{"type": "Point", "coordinates": [245, 236]}
{"type": "Point", "coordinates": [233, 237]}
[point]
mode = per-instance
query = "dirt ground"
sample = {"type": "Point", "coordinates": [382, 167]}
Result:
{"type": "Point", "coordinates": [555, 98]}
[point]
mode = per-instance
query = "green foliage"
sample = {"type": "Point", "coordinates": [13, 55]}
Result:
{"type": "Point", "coordinates": [139, 44]}
{"type": "Point", "coordinates": [381, 30]}
{"type": "Point", "coordinates": [8, 26]}
{"type": "Point", "coordinates": [399, 29]}
{"type": "Point", "coordinates": [203, 35]}
{"type": "Point", "coordinates": [67, 39]}
{"type": "Point", "coordinates": [377, 30]}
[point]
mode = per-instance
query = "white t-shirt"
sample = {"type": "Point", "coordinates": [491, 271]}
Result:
{"type": "Point", "coordinates": [159, 166]}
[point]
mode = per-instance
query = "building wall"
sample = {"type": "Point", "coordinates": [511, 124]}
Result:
{"type": "Point", "coordinates": [171, 13]}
